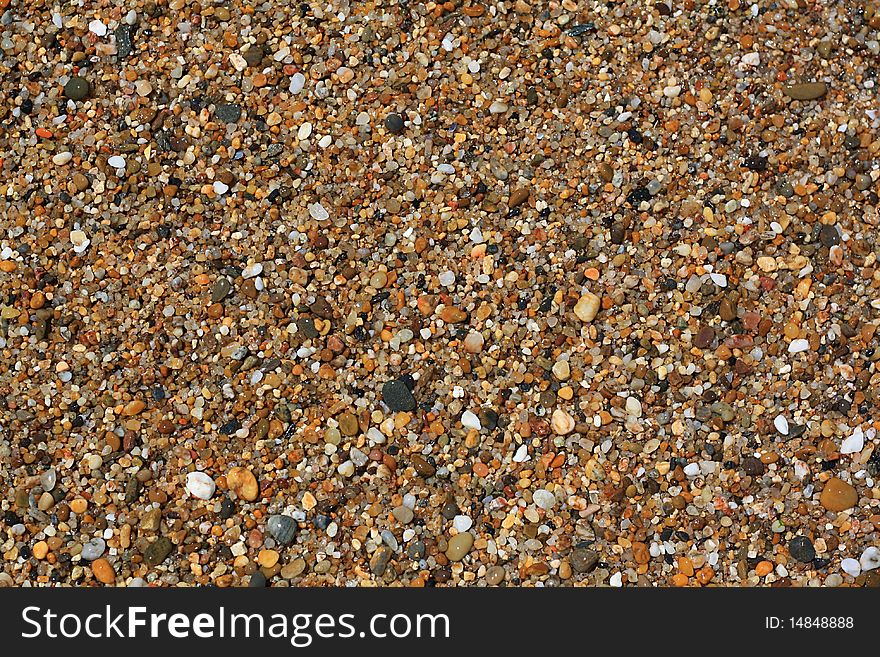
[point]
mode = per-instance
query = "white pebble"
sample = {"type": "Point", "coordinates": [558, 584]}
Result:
{"type": "Point", "coordinates": [446, 278]}
{"type": "Point", "coordinates": [781, 424]}
{"type": "Point", "coordinates": [97, 27]}
{"type": "Point", "coordinates": [116, 161]}
{"type": "Point", "coordinates": [252, 270]}
{"type": "Point", "coordinates": [200, 485]}
{"type": "Point", "coordinates": [220, 187]}
{"type": "Point", "coordinates": [297, 82]}
{"type": "Point", "coordinates": [870, 558]}
{"type": "Point", "coordinates": [798, 346]}
{"type": "Point", "coordinates": [851, 567]}
{"type": "Point", "coordinates": [462, 523]}
{"type": "Point", "coordinates": [497, 107]}
{"type": "Point", "coordinates": [854, 443]}
{"type": "Point", "coordinates": [522, 454]}
{"type": "Point", "coordinates": [544, 499]}
{"type": "Point", "coordinates": [318, 213]}
{"type": "Point", "coordinates": [304, 131]}
{"type": "Point", "coordinates": [692, 469]}
{"type": "Point", "coordinates": [61, 159]}
{"type": "Point", "coordinates": [616, 580]}
{"type": "Point", "coordinates": [470, 421]}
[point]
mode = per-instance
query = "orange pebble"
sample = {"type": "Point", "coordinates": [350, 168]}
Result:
{"type": "Point", "coordinates": [592, 273]}
{"type": "Point", "coordinates": [686, 566]}
{"type": "Point", "coordinates": [480, 469]}
{"type": "Point", "coordinates": [43, 133]}
{"type": "Point", "coordinates": [763, 568]}
{"type": "Point", "coordinates": [679, 579]}
{"type": "Point", "coordinates": [705, 575]}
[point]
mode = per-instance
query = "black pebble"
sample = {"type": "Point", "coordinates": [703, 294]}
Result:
{"type": "Point", "coordinates": [394, 123]}
{"type": "Point", "coordinates": [801, 548]}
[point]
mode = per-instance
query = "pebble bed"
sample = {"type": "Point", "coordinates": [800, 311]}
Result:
{"type": "Point", "coordinates": [390, 293]}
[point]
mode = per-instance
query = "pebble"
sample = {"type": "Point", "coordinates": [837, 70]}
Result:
{"type": "Point", "coordinates": [583, 559]}
{"type": "Point", "coordinates": [93, 549]}
{"type": "Point", "coordinates": [228, 112]}
{"type": "Point", "coordinates": [157, 551]}
{"type": "Point", "coordinates": [116, 161]}
{"type": "Point", "coordinates": [459, 546]}
{"type": "Point", "coordinates": [77, 88]}
{"type": "Point", "coordinates": [403, 514]}
{"type": "Point", "coordinates": [837, 495]}
{"type": "Point", "coordinates": [587, 307]}
{"type": "Point", "coordinates": [469, 420]}
{"type": "Point", "coordinates": [870, 558]}
{"type": "Point", "coordinates": [462, 523]}
{"type": "Point", "coordinates": [806, 90]}
{"type": "Point", "coordinates": [60, 159]}
{"type": "Point", "coordinates": [801, 548]}
{"type": "Point", "coordinates": [394, 123]}
{"type": "Point", "coordinates": [544, 499]}
{"type": "Point", "coordinates": [495, 575]}
{"type": "Point", "coordinates": [283, 528]}
{"type": "Point", "coordinates": [397, 396]}
{"type": "Point", "coordinates": [103, 571]}
{"type": "Point", "coordinates": [243, 483]}
{"type": "Point", "coordinates": [851, 567]}
{"type": "Point", "coordinates": [200, 485]}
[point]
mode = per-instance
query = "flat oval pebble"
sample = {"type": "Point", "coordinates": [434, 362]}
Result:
{"type": "Point", "coordinates": [459, 546]}
{"type": "Point", "coordinates": [805, 90]}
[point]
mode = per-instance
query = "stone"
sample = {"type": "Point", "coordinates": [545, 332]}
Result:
{"type": "Point", "coordinates": [220, 290]}
{"type": "Point", "coordinates": [459, 546]}
{"type": "Point", "coordinates": [583, 559]}
{"type": "Point", "coordinates": [103, 571]}
{"type": "Point", "coordinates": [151, 520]}
{"type": "Point", "coordinates": [561, 422]}
{"type": "Point", "coordinates": [379, 560]}
{"type": "Point", "coordinates": [838, 495]}
{"type": "Point", "coordinates": [157, 551]}
{"type": "Point", "coordinates": [93, 549]}
{"type": "Point", "coordinates": [397, 396]}
{"type": "Point", "coordinates": [518, 197]}
{"type": "Point", "coordinates": [587, 307]}
{"type": "Point", "coordinates": [544, 499]}
{"type": "Point", "coordinates": [228, 112]}
{"type": "Point", "coordinates": [704, 337]}
{"type": "Point", "coordinates": [805, 90]}
{"type": "Point", "coordinates": [495, 575]}
{"type": "Point", "coordinates": [469, 420]}
{"type": "Point", "coordinates": [283, 528]}
{"type": "Point", "coordinates": [801, 548]}
{"type": "Point", "coordinates": [870, 558]}
{"type": "Point", "coordinates": [394, 123]}
{"type": "Point", "coordinates": [403, 514]}
{"type": "Point", "coordinates": [200, 485]}
{"type": "Point", "coordinates": [257, 581]}
{"type": "Point", "coordinates": [77, 88]}
{"type": "Point", "coordinates": [243, 482]}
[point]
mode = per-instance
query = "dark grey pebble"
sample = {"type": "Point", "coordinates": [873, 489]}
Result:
{"type": "Point", "coordinates": [397, 396]}
{"type": "Point", "coordinates": [257, 581]}
{"type": "Point", "coordinates": [394, 123]}
{"type": "Point", "coordinates": [801, 548]}
{"type": "Point", "coordinates": [228, 112]}
{"type": "Point", "coordinates": [282, 528]}
{"type": "Point", "coordinates": [77, 88]}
